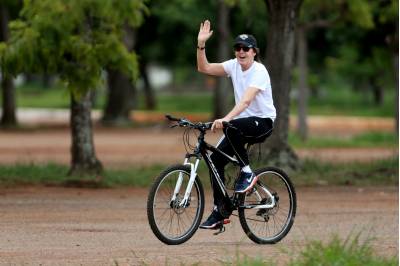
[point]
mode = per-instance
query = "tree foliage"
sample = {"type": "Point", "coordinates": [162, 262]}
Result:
{"type": "Point", "coordinates": [362, 56]}
{"type": "Point", "coordinates": [358, 12]}
{"type": "Point", "coordinates": [74, 39]}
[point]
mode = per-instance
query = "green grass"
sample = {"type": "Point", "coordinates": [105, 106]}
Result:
{"type": "Point", "coordinates": [32, 174]}
{"type": "Point", "coordinates": [36, 97]}
{"type": "Point", "coordinates": [57, 175]}
{"type": "Point", "coordinates": [59, 97]}
{"type": "Point", "coordinates": [182, 102]}
{"type": "Point", "coordinates": [348, 252]}
{"type": "Point", "coordinates": [367, 139]}
{"type": "Point", "coordinates": [383, 172]}
{"type": "Point", "coordinates": [380, 172]}
{"type": "Point", "coordinates": [335, 101]}
{"type": "Point", "coordinates": [137, 176]}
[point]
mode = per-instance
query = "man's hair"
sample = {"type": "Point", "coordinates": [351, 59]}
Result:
{"type": "Point", "coordinates": [257, 56]}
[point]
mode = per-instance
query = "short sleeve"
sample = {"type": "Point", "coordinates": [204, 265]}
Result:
{"type": "Point", "coordinates": [260, 80]}
{"type": "Point", "coordinates": [228, 66]}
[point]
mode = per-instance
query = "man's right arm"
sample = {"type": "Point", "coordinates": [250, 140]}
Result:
{"type": "Point", "coordinates": [215, 69]}
{"type": "Point", "coordinates": [203, 66]}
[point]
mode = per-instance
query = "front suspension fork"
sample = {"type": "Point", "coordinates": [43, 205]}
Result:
{"type": "Point", "coordinates": [193, 174]}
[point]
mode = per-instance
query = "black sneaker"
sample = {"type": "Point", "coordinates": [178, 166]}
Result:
{"type": "Point", "coordinates": [245, 182]}
{"type": "Point", "coordinates": [214, 221]}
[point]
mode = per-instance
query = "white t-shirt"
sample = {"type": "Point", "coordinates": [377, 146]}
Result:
{"type": "Point", "coordinates": [256, 76]}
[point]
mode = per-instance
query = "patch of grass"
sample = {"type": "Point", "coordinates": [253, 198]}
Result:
{"type": "Point", "coordinates": [348, 252]}
{"type": "Point", "coordinates": [384, 172]}
{"type": "Point", "coordinates": [334, 100]}
{"type": "Point", "coordinates": [57, 175]}
{"type": "Point", "coordinates": [33, 174]}
{"type": "Point", "coordinates": [134, 176]}
{"type": "Point", "coordinates": [190, 102]}
{"type": "Point", "coordinates": [342, 100]}
{"type": "Point", "coordinates": [34, 96]}
{"type": "Point", "coordinates": [380, 172]}
{"type": "Point", "coordinates": [58, 96]}
{"type": "Point", "coordinates": [31, 95]}
{"type": "Point", "coordinates": [368, 139]}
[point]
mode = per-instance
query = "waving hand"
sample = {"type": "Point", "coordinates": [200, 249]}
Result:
{"type": "Point", "coordinates": [204, 32]}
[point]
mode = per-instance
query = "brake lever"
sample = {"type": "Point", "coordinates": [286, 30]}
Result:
{"type": "Point", "coordinates": [183, 123]}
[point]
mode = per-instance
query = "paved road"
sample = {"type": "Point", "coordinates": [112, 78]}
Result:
{"type": "Point", "coordinates": [60, 226]}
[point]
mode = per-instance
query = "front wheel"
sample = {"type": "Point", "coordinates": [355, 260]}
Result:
{"type": "Point", "coordinates": [172, 222]}
{"type": "Point", "coordinates": [267, 212]}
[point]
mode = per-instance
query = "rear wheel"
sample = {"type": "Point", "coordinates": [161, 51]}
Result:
{"type": "Point", "coordinates": [270, 224]}
{"type": "Point", "coordinates": [171, 222]}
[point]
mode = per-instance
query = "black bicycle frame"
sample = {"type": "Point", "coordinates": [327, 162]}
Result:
{"type": "Point", "coordinates": [202, 149]}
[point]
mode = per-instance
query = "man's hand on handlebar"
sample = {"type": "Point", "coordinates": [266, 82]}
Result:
{"type": "Point", "coordinates": [219, 124]}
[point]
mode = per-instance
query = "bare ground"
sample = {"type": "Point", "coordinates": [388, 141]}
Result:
{"type": "Point", "coordinates": [66, 226]}
{"type": "Point", "coordinates": [127, 147]}
{"type": "Point", "coordinates": [59, 226]}
{"type": "Point", "coordinates": [49, 139]}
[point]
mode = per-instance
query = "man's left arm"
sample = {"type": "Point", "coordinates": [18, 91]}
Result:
{"type": "Point", "coordinates": [246, 100]}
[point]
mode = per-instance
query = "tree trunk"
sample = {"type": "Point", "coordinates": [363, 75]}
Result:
{"type": "Point", "coordinates": [121, 90]}
{"type": "Point", "coordinates": [8, 118]}
{"type": "Point", "coordinates": [150, 100]}
{"type": "Point", "coordinates": [223, 91]}
{"type": "Point", "coordinates": [396, 63]}
{"type": "Point", "coordinates": [303, 92]}
{"type": "Point", "coordinates": [377, 91]}
{"type": "Point", "coordinates": [396, 74]}
{"type": "Point", "coordinates": [396, 86]}
{"type": "Point", "coordinates": [282, 16]}
{"type": "Point", "coordinates": [120, 100]}
{"type": "Point", "coordinates": [84, 160]}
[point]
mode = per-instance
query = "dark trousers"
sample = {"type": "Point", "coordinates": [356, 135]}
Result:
{"type": "Point", "coordinates": [244, 131]}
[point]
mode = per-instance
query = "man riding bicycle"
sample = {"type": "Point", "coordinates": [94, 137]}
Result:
{"type": "Point", "coordinates": [251, 118]}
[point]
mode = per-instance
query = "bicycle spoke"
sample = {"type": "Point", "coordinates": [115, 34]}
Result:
{"type": "Point", "coordinates": [270, 224]}
{"type": "Point", "coordinates": [173, 222]}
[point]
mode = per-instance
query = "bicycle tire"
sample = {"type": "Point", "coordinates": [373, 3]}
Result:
{"type": "Point", "coordinates": [256, 222]}
{"type": "Point", "coordinates": [159, 200]}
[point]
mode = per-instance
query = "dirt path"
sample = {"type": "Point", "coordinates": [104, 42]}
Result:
{"type": "Point", "coordinates": [125, 147]}
{"type": "Point", "coordinates": [333, 125]}
{"type": "Point", "coordinates": [58, 226]}
{"type": "Point", "coordinates": [158, 144]}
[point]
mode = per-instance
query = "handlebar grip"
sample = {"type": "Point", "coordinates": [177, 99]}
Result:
{"type": "Point", "coordinates": [171, 118]}
{"type": "Point", "coordinates": [229, 125]}
{"type": "Point", "coordinates": [226, 124]}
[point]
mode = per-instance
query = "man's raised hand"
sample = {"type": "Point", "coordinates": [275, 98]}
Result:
{"type": "Point", "coordinates": [204, 33]}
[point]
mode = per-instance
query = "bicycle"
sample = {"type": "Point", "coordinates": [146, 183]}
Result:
{"type": "Point", "coordinates": [176, 201]}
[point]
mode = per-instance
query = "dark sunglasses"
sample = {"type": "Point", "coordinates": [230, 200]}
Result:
{"type": "Point", "coordinates": [238, 48]}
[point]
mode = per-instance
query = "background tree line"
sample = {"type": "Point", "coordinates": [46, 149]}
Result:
{"type": "Point", "coordinates": [355, 41]}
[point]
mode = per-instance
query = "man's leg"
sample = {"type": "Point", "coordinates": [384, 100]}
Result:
{"type": "Point", "coordinates": [243, 131]}
{"type": "Point", "coordinates": [217, 216]}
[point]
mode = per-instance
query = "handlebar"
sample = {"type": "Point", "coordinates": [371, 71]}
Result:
{"type": "Point", "coordinates": [183, 122]}
{"type": "Point", "coordinates": [171, 118]}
